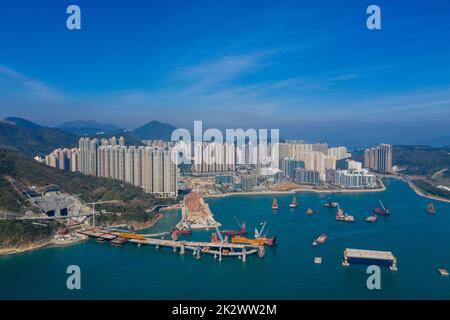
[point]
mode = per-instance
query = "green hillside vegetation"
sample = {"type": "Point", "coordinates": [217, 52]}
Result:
{"type": "Point", "coordinates": [33, 139]}
{"type": "Point", "coordinates": [421, 160]}
{"type": "Point", "coordinates": [17, 233]}
{"type": "Point", "coordinates": [153, 130]}
{"type": "Point", "coordinates": [25, 169]}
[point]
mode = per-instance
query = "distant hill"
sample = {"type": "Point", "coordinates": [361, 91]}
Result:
{"type": "Point", "coordinates": [154, 130]}
{"type": "Point", "coordinates": [33, 139]}
{"type": "Point", "coordinates": [30, 172]}
{"type": "Point", "coordinates": [80, 127]}
{"type": "Point", "coordinates": [23, 123]}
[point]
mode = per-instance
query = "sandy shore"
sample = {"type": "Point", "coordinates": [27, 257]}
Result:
{"type": "Point", "coordinates": [26, 248]}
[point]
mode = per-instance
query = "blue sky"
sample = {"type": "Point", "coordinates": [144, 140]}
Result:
{"type": "Point", "coordinates": [310, 68]}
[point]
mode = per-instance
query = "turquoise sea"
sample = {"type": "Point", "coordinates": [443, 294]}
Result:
{"type": "Point", "coordinates": [420, 241]}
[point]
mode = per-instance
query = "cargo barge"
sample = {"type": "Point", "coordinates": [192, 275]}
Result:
{"type": "Point", "coordinates": [369, 257]}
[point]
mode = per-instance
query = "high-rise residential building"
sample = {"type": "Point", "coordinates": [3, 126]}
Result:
{"type": "Point", "coordinates": [339, 153]}
{"type": "Point", "coordinates": [249, 181]}
{"type": "Point", "coordinates": [307, 176]}
{"type": "Point", "coordinates": [88, 156]}
{"type": "Point", "coordinates": [161, 172]}
{"type": "Point", "coordinates": [354, 179]}
{"type": "Point", "coordinates": [288, 166]}
{"type": "Point", "coordinates": [353, 165]}
{"type": "Point", "coordinates": [74, 160]}
{"type": "Point", "coordinates": [379, 158]}
{"type": "Point", "coordinates": [214, 157]}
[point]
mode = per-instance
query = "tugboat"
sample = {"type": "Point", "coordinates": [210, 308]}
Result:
{"type": "Point", "coordinates": [430, 208]}
{"type": "Point", "coordinates": [384, 211]}
{"type": "Point", "coordinates": [320, 240]}
{"type": "Point", "coordinates": [274, 204]}
{"type": "Point", "coordinates": [293, 204]}
{"type": "Point", "coordinates": [309, 211]}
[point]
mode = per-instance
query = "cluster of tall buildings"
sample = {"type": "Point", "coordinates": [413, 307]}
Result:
{"type": "Point", "coordinates": [315, 157]}
{"type": "Point", "coordinates": [379, 158]}
{"type": "Point", "coordinates": [150, 168]}
{"type": "Point", "coordinates": [64, 159]}
{"type": "Point", "coordinates": [214, 157]}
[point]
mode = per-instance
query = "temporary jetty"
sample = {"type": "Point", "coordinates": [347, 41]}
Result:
{"type": "Point", "coordinates": [380, 258]}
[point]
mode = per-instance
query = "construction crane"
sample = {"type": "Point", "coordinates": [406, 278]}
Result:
{"type": "Point", "coordinates": [219, 234]}
{"type": "Point", "coordinates": [93, 207]}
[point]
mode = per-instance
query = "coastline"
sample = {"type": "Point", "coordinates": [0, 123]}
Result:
{"type": "Point", "coordinates": [293, 191]}
{"type": "Point", "coordinates": [26, 248]}
{"type": "Point", "coordinates": [50, 242]}
{"type": "Point", "coordinates": [423, 193]}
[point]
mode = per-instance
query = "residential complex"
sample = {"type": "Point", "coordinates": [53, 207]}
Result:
{"type": "Point", "coordinates": [150, 168]}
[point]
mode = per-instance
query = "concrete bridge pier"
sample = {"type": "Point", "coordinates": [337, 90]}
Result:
{"type": "Point", "coordinates": [261, 251]}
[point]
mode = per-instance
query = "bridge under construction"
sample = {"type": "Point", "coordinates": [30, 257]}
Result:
{"type": "Point", "coordinates": [217, 249]}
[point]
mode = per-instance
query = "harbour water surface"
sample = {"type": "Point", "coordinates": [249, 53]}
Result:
{"type": "Point", "coordinates": [421, 243]}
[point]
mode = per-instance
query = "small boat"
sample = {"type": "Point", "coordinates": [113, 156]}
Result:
{"type": "Point", "coordinates": [372, 218]}
{"type": "Point", "coordinates": [331, 204]}
{"type": "Point", "coordinates": [384, 211]}
{"type": "Point", "coordinates": [341, 216]}
{"type": "Point", "coordinates": [118, 241]}
{"type": "Point", "coordinates": [430, 208]}
{"type": "Point", "coordinates": [275, 204]}
{"type": "Point", "coordinates": [293, 204]}
{"type": "Point", "coordinates": [101, 240]}
{"type": "Point", "coordinates": [320, 240]}
{"type": "Point", "coordinates": [309, 211]}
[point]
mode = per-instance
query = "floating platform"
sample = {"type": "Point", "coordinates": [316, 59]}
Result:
{"type": "Point", "coordinates": [369, 257]}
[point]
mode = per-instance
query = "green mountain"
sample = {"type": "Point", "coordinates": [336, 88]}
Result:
{"type": "Point", "coordinates": [33, 139]}
{"type": "Point", "coordinates": [154, 130]}
{"type": "Point", "coordinates": [30, 172]}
